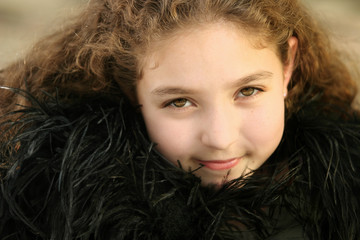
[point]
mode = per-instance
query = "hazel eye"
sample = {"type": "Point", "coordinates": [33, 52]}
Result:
{"type": "Point", "coordinates": [248, 92]}
{"type": "Point", "coordinates": [180, 103]}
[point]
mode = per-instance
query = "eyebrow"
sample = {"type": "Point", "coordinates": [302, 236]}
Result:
{"type": "Point", "coordinates": [161, 91]}
{"type": "Point", "coordinates": [252, 77]}
{"type": "Point", "coordinates": [172, 91]}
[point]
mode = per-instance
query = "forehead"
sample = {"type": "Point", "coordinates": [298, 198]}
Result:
{"type": "Point", "coordinates": [148, 55]}
{"type": "Point", "coordinates": [204, 58]}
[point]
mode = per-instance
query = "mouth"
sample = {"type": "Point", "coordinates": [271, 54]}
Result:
{"type": "Point", "coordinates": [220, 164]}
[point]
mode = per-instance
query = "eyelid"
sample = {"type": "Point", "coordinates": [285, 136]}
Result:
{"type": "Point", "coordinates": [257, 91]}
{"type": "Point", "coordinates": [167, 104]}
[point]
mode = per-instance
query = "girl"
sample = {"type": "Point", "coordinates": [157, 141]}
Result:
{"type": "Point", "coordinates": [181, 119]}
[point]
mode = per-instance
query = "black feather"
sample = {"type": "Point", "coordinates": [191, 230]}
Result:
{"type": "Point", "coordinates": [88, 171]}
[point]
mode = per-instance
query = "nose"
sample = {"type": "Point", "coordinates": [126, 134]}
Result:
{"type": "Point", "coordinates": [220, 128]}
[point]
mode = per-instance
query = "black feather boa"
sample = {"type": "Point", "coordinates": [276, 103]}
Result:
{"type": "Point", "coordinates": [88, 171]}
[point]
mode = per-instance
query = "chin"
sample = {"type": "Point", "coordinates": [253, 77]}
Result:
{"type": "Point", "coordinates": [220, 180]}
{"type": "Point", "coordinates": [216, 182]}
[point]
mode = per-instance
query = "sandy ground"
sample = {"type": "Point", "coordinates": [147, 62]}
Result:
{"type": "Point", "coordinates": [341, 18]}
{"type": "Point", "coordinates": [24, 21]}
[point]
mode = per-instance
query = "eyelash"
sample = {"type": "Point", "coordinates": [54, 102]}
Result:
{"type": "Point", "coordinates": [254, 94]}
{"type": "Point", "coordinates": [170, 104]}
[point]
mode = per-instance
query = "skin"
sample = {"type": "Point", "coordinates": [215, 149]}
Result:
{"type": "Point", "coordinates": [209, 97]}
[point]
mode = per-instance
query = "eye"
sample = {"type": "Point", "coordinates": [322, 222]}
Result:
{"type": "Point", "coordinates": [248, 92]}
{"type": "Point", "coordinates": [179, 103]}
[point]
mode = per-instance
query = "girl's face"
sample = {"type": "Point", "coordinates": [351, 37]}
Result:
{"type": "Point", "coordinates": [210, 98]}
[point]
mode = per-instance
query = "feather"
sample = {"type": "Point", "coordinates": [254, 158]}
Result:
{"type": "Point", "coordinates": [89, 171]}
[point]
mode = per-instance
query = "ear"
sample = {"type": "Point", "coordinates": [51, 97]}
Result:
{"type": "Point", "coordinates": [289, 65]}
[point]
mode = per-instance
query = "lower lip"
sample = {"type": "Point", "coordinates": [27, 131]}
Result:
{"type": "Point", "coordinates": [221, 165]}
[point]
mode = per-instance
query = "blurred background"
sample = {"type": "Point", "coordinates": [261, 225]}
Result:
{"type": "Point", "coordinates": [24, 21]}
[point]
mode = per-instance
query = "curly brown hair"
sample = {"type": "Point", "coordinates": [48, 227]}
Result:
{"type": "Point", "coordinates": [100, 52]}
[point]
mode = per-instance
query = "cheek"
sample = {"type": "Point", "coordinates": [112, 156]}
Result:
{"type": "Point", "coordinates": [265, 127]}
{"type": "Point", "coordinates": [173, 137]}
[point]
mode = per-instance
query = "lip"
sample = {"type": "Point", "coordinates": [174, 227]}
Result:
{"type": "Point", "coordinates": [220, 164]}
